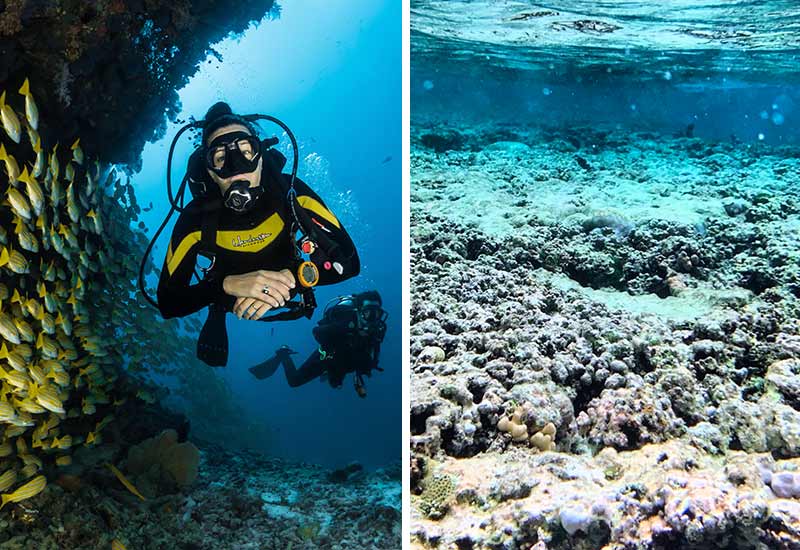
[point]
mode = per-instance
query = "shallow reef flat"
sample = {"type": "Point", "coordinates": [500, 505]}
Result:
{"type": "Point", "coordinates": [240, 501]}
{"type": "Point", "coordinates": [605, 340]}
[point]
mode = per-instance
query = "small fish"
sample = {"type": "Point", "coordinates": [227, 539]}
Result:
{"type": "Point", "coordinates": [8, 479]}
{"type": "Point", "coordinates": [65, 460]}
{"type": "Point", "coordinates": [117, 545]}
{"type": "Point", "coordinates": [30, 489]}
{"type": "Point", "coordinates": [24, 329]}
{"type": "Point", "coordinates": [29, 470]}
{"type": "Point", "coordinates": [55, 169]}
{"type": "Point", "coordinates": [7, 412]}
{"type": "Point", "coordinates": [19, 203]}
{"type": "Point", "coordinates": [63, 443]}
{"type": "Point", "coordinates": [12, 168]}
{"type": "Point", "coordinates": [29, 406]}
{"type": "Point", "coordinates": [35, 193]}
{"type": "Point", "coordinates": [14, 358]}
{"type": "Point", "coordinates": [48, 323]}
{"type": "Point", "coordinates": [37, 374]}
{"type": "Point", "coordinates": [128, 485]}
{"type": "Point", "coordinates": [8, 330]}
{"type": "Point", "coordinates": [38, 166]}
{"type": "Point", "coordinates": [16, 379]}
{"type": "Point", "coordinates": [583, 163]}
{"type": "Point", "coordinates": [10, 121]}
{"type": "Point", "coordinates": [77, 152]}
{"type": "Point", "coordinates": [72, 206]}
{"type": "Point", "coordinates": [387, 159]}
{"type": "Point", "coordinates": [5, 450]}
{"type": "Point", "coordinates": [87, 409]}
{"type": "Point", "coordinates": [48, 398]}
{"type": "Point", "coordinates": [48, 347]}
{"type": "Point", "coordinates": [98, 223]}
{"type": "Point", "coordinates": [31, 111]}
{"type": "Point", "coordinates": [17, 262]}
{"type": "Point", "coordinates": [27, 241]}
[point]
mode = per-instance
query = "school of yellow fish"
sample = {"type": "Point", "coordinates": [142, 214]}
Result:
{"type": "Point", "coordinates": [70, 318]}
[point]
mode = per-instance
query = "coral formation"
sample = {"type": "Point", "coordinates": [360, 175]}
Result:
{"type": "Point", "coordinates": [160, 463]}
{"type": "Point", "coordinates": [239, 500]}
{"type": "Point", "coordinates": [436, 496]}
{"type": "Point", "coordinates": [657, 338]}
{"type": "Point", "coordinates": [87, 54]}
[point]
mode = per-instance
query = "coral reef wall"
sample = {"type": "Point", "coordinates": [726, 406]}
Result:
{"type": "Point", "coordinates": [108, 70]}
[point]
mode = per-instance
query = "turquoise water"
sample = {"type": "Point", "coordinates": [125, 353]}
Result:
{"type": "Point", "coordinates": [334, 79]}
{"type": "Point", "coordinates": [730, 68]}
{"type": "Point", "coordinates": [605, 203]}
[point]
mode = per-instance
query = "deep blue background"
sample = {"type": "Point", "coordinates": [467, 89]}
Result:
{"type": "Point", "coordinates": [332, 72]}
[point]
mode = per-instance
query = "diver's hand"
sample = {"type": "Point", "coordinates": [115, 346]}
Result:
{"type": "Point", "coordinates": [251, 308]}
{"type": "Point", "coordinates": [251, 285]}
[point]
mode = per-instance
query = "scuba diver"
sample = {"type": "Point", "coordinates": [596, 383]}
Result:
{"type": "Point", "coordinates": [349, 336]}
{"type": "Point", "coordinates": [241, 229]}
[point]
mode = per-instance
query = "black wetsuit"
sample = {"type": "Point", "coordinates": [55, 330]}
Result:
{"type": "Point", "coordinates": [354, 355]}
{"type": "Point", "coordinates": [257, 239]}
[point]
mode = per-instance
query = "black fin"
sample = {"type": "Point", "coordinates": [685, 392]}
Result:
{"type": "Point", "coordinates": [212, 344]}
{"type": "Point", "coordinates": [267, 368]}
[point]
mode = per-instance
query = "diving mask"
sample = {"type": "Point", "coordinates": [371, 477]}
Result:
{"type": "Point", "coordinates": [233, 153]}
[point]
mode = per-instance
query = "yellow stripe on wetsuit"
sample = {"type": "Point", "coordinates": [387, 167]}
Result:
{"type": "Point", "coordinates": [315, 206]}
{"type": "Point", "coordinates": [255, 240]}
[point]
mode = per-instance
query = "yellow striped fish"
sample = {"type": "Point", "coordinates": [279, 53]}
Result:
{"type": "Point", "coordinates": [77, 152]}
{"type": "Point", "coordinates": [35, 192]}
{"type": "Point", "coordinates": [17, 262]}
{"type": "Point", "coordinates": [9, 119]}
{"type": "Point", "coordinates": [48, 323]}
{"type": "Point", "coordinates": [24, 351]}
{"type": "Point", "coordinates": [128, 485]}
{"type": "Point", "coordinates": [117, 545]}
{"type": "Point", "coordinates": [29, 470]}
{"type": "Point", "coordinates": [6, 449]}
{"type": "Point", "coordinates": [31, 111]}
{"type": "Point", "coordinates": [36, 373]}
{"type": "Point", "coordinates": [8, 331]}
{"type": "Point", "coordinates": [16, 378]}
{"type": "Point", "coordinates": [63, 443]}
{"type": "Point", "coordinates": [12, 168]}
{"type": "Point", "coordinates": [24, 329]}
{"type": "Point", "coordinates": [7, 412]}
{"type": "Point", "coordinates": [65, 460]}
{"type": "Point", "coordinates": [48, 398]}
{"type": "Point", "coordinates": [30, 489]}
{"type": "Point", "coordinates": [19, 203]}
{"type": "Point", "coordinates": [38, 166]}
{"type": "Point", "coordinates": [7, 480]}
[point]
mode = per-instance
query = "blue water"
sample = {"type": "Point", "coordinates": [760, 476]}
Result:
{"type": "Point", "coordinates": [731, 69]}
{"type": "Point", "coordinates": [335, 80]}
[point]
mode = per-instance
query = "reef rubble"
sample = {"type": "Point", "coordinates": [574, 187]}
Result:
{"type": "Point", "coordinates": [638, 293]}
{"type": "Point", "coordinates": [240, 500]}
